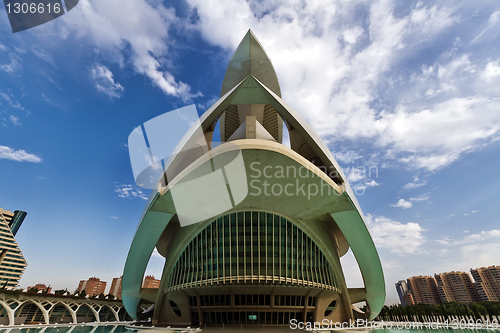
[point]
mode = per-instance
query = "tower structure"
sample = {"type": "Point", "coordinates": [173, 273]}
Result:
{"type": "Point", "coordinates": [405, 297]}
{"type": "Point", "coordinates": [116, 287]}
{"type": "Point", "coordinates": [456, 287]}
{"type": "Point", "coordinates": [487, 282]}
{"type": "Point", "coordinates": [423, 289]}
{"type": "Point", "coordinates": [12, 261]}
{"type": "Point", "coordinates": [274, 254]}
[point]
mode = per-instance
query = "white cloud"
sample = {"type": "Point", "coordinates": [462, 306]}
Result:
{"type": "Point", "coordinates": [15, 120]}
{"type": "Point", "coordinates": [443, 132]}
{"type": "Point", "coordinates": [492, 21]}
{"type": "Point", "coordinates": [104, 81]}
{"type": "Point", "coordinates": [481, 237]}
{"type": "Point", "coordinates": [474, 250]}
{"type": "Point", "coordinates": [361, 77]}
{"type": "Point", "coordinates": [491, 70]}
{"type": "Point", "coordinates": [355, 174]}
{"type": "Point", "coordinates": [348, 156]}
{"type": "Point", "coordinates": [43, 55]}
{"type": "Point", "coordinates": [402, 203]}
{"type": "Point", "coordinates": [422, 197]}
{"type": "Point", "coordinates": [13, 65]}
{"type": "Point", "coordinates": [371, 183]}
{"type": "Point", "coordinates": [399, 238]}
{"type": "Point", "coordinates": [361, 187]}
{"type": "Point", "coordinates": [114, 217]}
{"type": "Point", "coordinates": [130, 191]}
{"type": "Point", "coordinates": [140, 37]}
{"type": "Point", "coordinates": [415, 183]}
{"type": "Point", "coordinates": [12, 103]}
{"type": "Point", "coordinates": [18, 155]}
{"type": "Point", "coordinates": [474, 211]}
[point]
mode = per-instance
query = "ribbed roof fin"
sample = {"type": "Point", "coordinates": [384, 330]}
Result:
{"type": "Point", "coordinates": [250, 59]}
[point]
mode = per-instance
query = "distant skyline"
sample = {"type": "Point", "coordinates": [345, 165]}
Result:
{"type": "Point", "coordinates": [407, 93]}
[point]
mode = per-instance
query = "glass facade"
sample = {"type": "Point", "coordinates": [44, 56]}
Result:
{"type": "Point", "coordinates": [252, 247]}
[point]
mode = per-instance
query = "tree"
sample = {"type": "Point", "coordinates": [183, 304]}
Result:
{"type": "Point", "coordinates": [61, 291]}
{"type": "Point", "coordinates": [32, 290]}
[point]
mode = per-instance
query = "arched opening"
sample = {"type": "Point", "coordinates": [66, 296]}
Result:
{"type": "Point", "coordinates": [60, 314]}
{"type": "Point", "coordinates": [85, 314]}
{"type": "Point", "coordinates": [4, 316]}
{"type": "Point", "coordinates": [106, 314]}
{"type": "Point", "coordinates": [352, 272]}
{"type": "Point", "coordinates": [29, 313]}
{"type": "Point", "coordinates": [123, 315]}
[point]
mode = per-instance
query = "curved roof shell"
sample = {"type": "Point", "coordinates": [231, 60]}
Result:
{"type": "Point", "coordinates": [335, 220]}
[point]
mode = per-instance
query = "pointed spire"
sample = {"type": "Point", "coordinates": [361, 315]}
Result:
{"type": "Point", "coordinates": [250, 59]}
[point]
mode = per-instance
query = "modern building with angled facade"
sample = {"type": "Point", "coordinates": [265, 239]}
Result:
{"type": "Point", "coordinates": [405, 297]}
{"type": "Point", "coordinates": [274, 255]}
{"type": "Point", "coordinates": [423, 289]}
{"type": "Point", "coordinates": [12, 261]}
{"type": "Point", "coordinates": [487, 282]}
{"type": "Point", "coordinates": [456, 287]}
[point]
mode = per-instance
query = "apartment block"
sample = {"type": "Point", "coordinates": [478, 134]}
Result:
{"type": "Point", "coordinates": [487, 282]}
{"type": "Point", "coordinates": [423, 289]}
{"type": "Point", "coordinates": [41, 287]}
{"type": "Point", "coordinates": [150, 282]}
{"type": "Point", "coordinates": [456, 287]}
{"type": "Point", "coordinates": [12, 262]}
{"type": "Point", "coordinates": [116, 287]}
{"type": "Point", "coordinates": [93, 286]}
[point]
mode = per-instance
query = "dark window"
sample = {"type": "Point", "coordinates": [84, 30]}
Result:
{"type": "Point", "coordinates": [175, 308]}
{"type": "Point", "coordinates": [330, 308]}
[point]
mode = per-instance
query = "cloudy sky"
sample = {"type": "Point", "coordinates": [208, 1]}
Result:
{"type": "Point", "coordinates": [406, 94]}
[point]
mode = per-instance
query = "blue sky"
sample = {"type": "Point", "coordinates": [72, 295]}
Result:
{"type": "Point", "coordinates": [408, 90]}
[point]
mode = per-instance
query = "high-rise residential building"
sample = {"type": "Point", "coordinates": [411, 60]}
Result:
{"type": "Point", "coordinates": [423, 289]}
{"type": "Point", "coordinates": [456, 287]}
{"type": "Point", "coordinates": [404, 294]}
{"type": "Point", "coordinates": [487, 282]}
{"type": "Point", "coordinates": [93, 286]}
{"type": "Point", "coordinates": [150, 282]}
{"type": "Point", "coordinates": [407, 300]}
{"type": "Point", "coordinates": [116, 287]}
{"type": "Point", "coordinates": [12, 261]}
{"type": "Point", "coordinates": [253, 228]}
{"type": "Point", "coordinates": [41, 287]}
{"type": "Point", "coordinates": [13, 219]}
